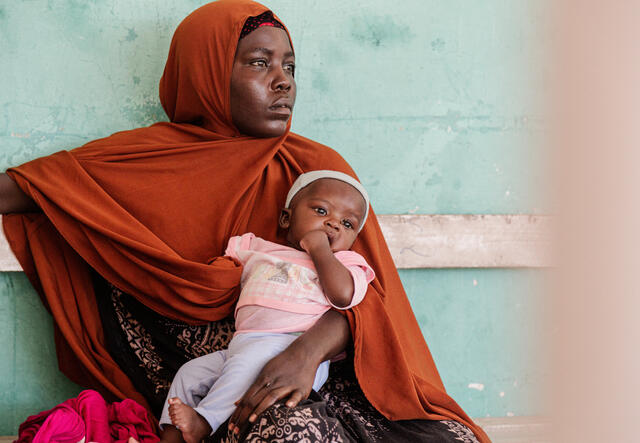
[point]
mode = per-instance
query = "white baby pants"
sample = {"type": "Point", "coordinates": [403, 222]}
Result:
{"type": "Point", "coordinates": [211, 384]}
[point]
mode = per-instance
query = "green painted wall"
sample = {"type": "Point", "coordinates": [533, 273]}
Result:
{"type": "Point", "coordinates": [434, 103]}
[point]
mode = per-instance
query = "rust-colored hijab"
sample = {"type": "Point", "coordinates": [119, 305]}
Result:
{"type": "Point", "coordinates": [147, 208]}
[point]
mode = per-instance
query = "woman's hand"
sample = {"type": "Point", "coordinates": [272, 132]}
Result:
{"type": "Point", "coordinates": [12, 199]}
{"type": "Point", "coordinates": [290, 374]}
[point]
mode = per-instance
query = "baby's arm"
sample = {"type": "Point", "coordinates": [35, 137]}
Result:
{"type": "Point", "coordinates": [335, 278]}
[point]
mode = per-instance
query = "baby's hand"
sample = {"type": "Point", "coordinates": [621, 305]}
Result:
{"type": "Point", "coordinates": [313, 240]}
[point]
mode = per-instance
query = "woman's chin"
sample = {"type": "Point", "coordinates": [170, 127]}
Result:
{"type": "Point", "coordinates": [273, 128]}
{"type": "Point", "coordinates": [276, 130]}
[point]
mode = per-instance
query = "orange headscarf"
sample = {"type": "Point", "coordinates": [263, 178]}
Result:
{"type": "Point", "coordinates": [147, 208]}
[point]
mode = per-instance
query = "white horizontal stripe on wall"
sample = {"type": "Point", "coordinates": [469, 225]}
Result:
{"type": "Point", "coordinates": [444, 241]}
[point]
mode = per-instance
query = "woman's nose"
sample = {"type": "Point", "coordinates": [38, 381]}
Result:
{"type": "Point", "coordinates": [281, 81]}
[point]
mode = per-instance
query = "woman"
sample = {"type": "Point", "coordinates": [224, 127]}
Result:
{"type": "Point", "coordinates": [145, 209]}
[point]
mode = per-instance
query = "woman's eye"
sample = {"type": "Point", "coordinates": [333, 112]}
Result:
{"type": "Point", "coordinates": [291, 68]}
{"type": "Point", "coordinates": [261, 63]}
{"type": "Point", "coordinates": [347, 224]}
{"type": "Point", "coordinates": [321, 211]}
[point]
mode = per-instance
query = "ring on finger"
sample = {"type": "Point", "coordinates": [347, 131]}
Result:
{"type": "Point", "coordinates": [267, 384]}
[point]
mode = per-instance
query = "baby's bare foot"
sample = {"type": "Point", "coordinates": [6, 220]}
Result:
{"type": "Point", "coordinates": [193, 426]}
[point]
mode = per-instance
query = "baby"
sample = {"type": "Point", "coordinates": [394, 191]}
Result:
{"type": "Point", "coordinates": [285, 290]}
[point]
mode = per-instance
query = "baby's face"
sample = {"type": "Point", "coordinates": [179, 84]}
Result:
{"type": "Point", "coordinates": [329, 205]}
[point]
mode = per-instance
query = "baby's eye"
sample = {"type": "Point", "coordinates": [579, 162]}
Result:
{"type": "Point", "coordinates": [321, 211]}
{"type": "Point", "coordinates": [347, 224]}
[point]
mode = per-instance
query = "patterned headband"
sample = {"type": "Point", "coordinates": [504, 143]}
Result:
{"type": "Point", "coordinates": [264, 19]}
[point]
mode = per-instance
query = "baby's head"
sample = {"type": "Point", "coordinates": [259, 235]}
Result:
{"type": "Point", "coordinates": [329, 201]}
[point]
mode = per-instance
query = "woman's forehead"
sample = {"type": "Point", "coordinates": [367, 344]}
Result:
{"type": "Point", "coordinates": [267, 39]}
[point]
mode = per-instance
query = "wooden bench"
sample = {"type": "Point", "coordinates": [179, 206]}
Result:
{"type": "Point", "coordinates": [453, 241]}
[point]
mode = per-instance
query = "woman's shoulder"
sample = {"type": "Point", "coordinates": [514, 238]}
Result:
{"type": "Point", "coordinates": [161, 133]}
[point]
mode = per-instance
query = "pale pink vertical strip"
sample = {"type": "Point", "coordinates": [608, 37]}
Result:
{"type": "Point", "coordinates": [596, 309]}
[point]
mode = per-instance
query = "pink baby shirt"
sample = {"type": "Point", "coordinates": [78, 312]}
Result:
{"type": "Point", "coordinates": [280, 288]}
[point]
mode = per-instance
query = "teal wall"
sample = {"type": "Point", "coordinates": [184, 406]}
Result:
{"type": "Point", "coordinates": [434, 103]}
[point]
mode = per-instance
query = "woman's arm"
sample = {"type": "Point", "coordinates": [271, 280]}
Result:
{"type": "Point", "coordinates": [291, 374]}
{"type": "Point", "coordinates": [12, 199]}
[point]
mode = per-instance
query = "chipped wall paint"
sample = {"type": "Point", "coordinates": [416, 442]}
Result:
{"type": "Point", "coordinates": [435, 104]}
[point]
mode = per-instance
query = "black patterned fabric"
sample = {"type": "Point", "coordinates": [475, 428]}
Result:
{"type": "Point", "coordinates": [150, 348]}
{"type": "Point", "coordinates": [254, 22]}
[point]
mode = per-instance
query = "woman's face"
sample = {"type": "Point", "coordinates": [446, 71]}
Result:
{"type": "Point", "coordinates": [263, 90]}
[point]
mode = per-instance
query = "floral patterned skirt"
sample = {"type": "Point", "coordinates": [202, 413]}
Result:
{"type": "Point", "coordinates": [150, 348]}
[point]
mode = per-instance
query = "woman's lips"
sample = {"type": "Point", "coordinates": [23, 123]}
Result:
{"type": "Point", "coordinates": [282, 110]}
{"type": "Point", "coordinates": [282, 107]}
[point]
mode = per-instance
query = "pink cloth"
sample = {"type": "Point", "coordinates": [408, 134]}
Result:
{"type": "Point", "coordinates": [89, 416]}
{"type": "Point", "coordinates": [280, 287]}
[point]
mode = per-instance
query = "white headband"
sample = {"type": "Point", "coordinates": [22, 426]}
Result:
{"type": "Point", "coordinates": [309, 177]}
